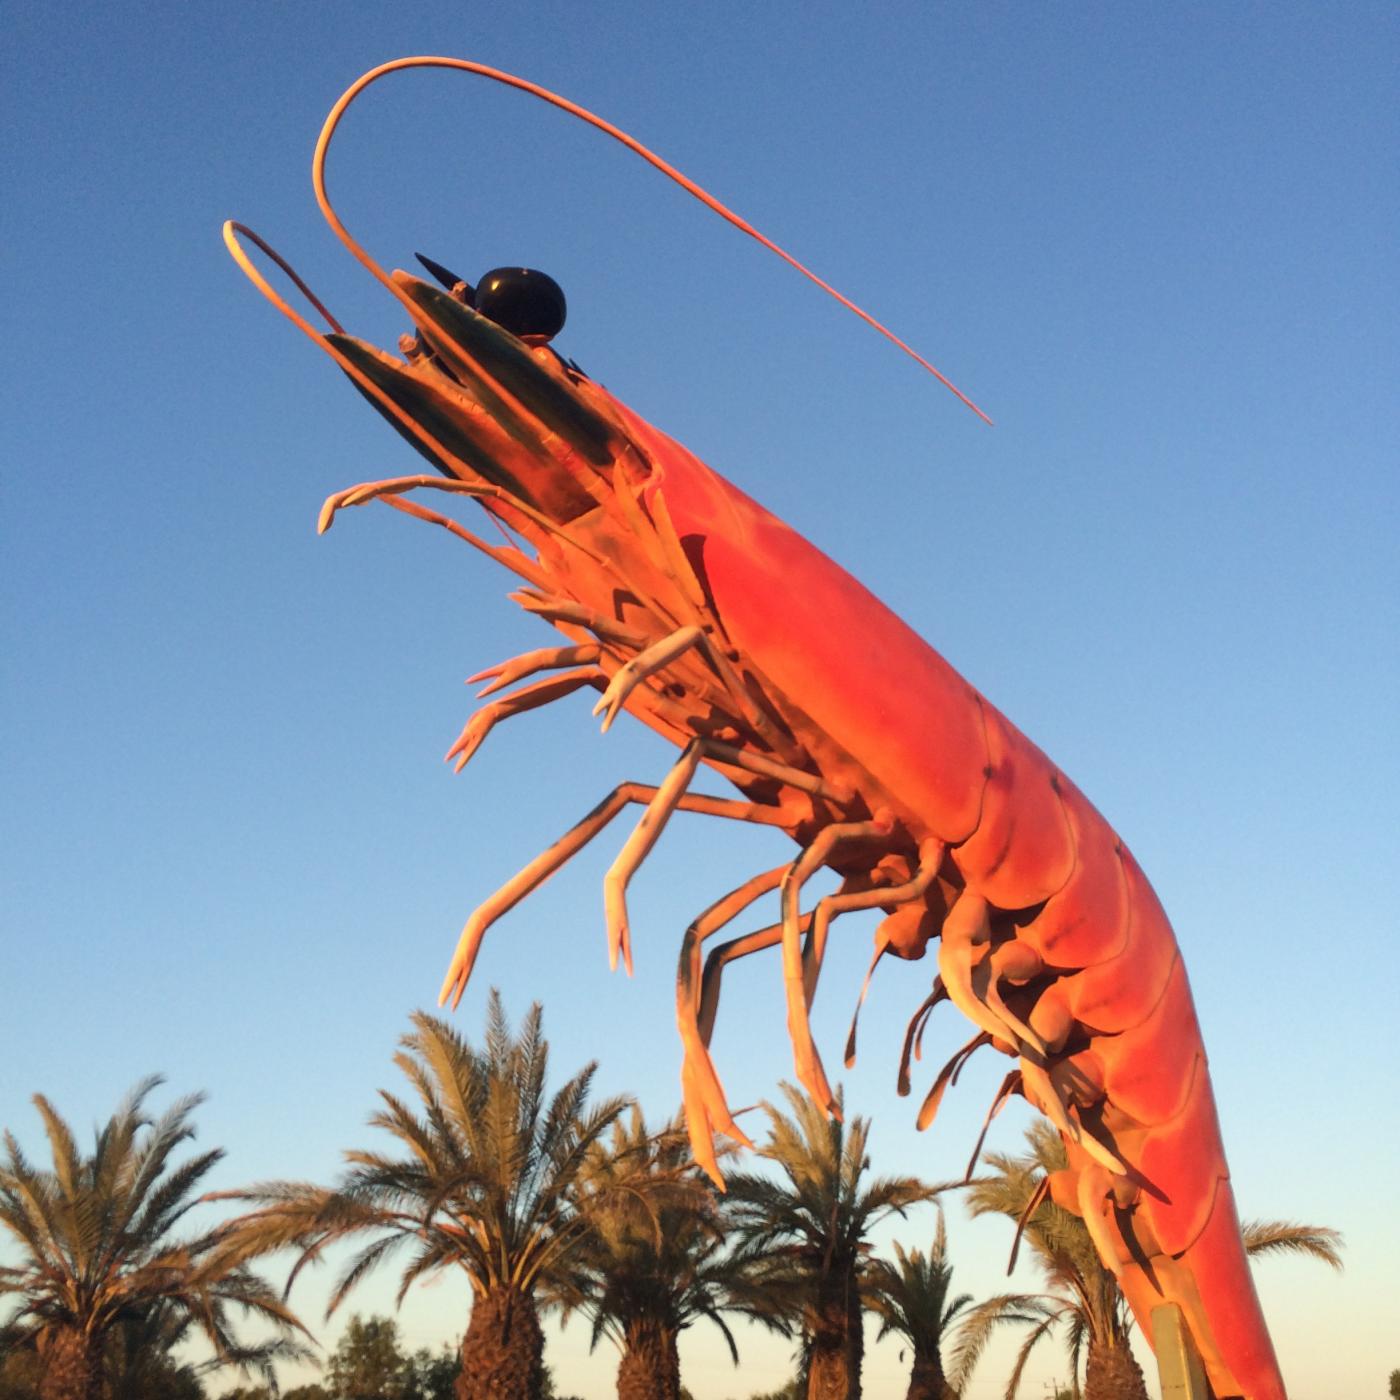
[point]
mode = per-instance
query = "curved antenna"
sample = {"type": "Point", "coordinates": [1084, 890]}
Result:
{"type": "Point", "coordinates": [318, 177]}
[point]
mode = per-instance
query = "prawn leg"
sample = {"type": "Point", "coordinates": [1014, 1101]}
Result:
{"type": "Point", "coordinates": [705, 1104]}
{"type": "Point", "coordinates": [966, 930]}
{"type": "Point", "coordinates": [695, 1014]}
{"type": "Point", "coordinates": [949, 1075]}
{"type": "Point", "coordinates": [807, 1061]}
{"type": "Point", "coordinates": [1013, 958]}
{"type": "Point", "coordinates": [643, 666]}
{"type": "Point", "coordinates": [367, 491]}
{"type": "Point", "coordinates": [930, 858]}
{"type": "Point", "coordinates": [1009, 1086]}
{"type": "Point", "coordinates": [661, 654]}
{"type": "Point", "coordinates": [551, 859]}
{"type": "Point", "coordinates": [653, 822]}
{"type": "Point", "coordinates": [827, 908]}
{"type": "Point", "coordinates": [563, 610]}
{"type": "Point", "coordinates": [529, 697]}
{"type": "Point", "coordinates": [530, 663]}
{"type": "Point", "coordinates": [508, 556]}
{"type": "Point", "coordinates": [914, 1034]}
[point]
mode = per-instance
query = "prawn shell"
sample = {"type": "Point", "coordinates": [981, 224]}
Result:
{"type": "Point", "coordinates": [1148, 1086]}
{"type": "Point", "coordinates": [1184, 1161]}
{"type": "Point", "coordinates": [1086, 921]}
{"type": "Point", "coordinates": [1122, 992]}
{"type": "Point", "coordinates": [1022, 851]}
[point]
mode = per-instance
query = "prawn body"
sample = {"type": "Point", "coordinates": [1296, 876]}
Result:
{"type": "Point", "coordinates": [1078, 946]}
{"type": "Point", "coordinates": [691, 607]}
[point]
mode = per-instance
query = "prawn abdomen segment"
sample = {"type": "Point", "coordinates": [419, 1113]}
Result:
{"type": "Point", "coordinates": [1086, 921]}
{"type": "Point", "coordinates": [1023, 849]}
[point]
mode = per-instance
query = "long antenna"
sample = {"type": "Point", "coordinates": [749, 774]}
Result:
{"type": "Point", "coordinates": [318, 176]}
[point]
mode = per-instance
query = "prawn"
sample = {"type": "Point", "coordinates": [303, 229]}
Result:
{"type": "Point", "coordinates": [838, 725]}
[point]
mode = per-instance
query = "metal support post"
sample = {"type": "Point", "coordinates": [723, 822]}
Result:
{"type": "Point", "coordinates": [1179, 1365]}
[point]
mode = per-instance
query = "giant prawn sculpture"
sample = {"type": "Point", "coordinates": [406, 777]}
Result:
{"type": "Point", "coordinates": [840, 726]}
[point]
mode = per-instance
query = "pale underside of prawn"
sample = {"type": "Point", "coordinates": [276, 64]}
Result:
{"type": "Point", "coordinates": [659, 574]}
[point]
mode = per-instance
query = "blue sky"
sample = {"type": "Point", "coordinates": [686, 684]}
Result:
{"type": "Point", "coordinates": [1156, 244]}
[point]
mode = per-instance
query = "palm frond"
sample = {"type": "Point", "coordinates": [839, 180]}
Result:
{"type": "Point", "coordinates": [1036, 1333]}
{"type": "Point", "coordinates": [98, 1255]}
{"type": "Point", "coordinates": [979, 1326]}
{"type": "Point", "coordinates": [1285, 1237]}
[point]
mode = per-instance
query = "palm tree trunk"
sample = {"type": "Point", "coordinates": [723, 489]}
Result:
{"type": "Point", "coordinates": [834, 1368]}
{"type": "Point", "coordinates": [855, 1339]}
{"type": "Point", "coordinates": [650, 1368]}
{"type": "Point", "coordinates": [926, 1379]}
{"type": "Point", "coordinates": [503, 1351]}
{"type": "Point", "coordinates": [1113, 1373]}
{"type": "Point", "coordinates": [827, 1377]}
{"type": "Point", "coordinates": [72, 1366]}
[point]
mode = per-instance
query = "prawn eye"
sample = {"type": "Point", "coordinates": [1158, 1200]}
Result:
{"type": "Point", "coordinates": [527, 303]}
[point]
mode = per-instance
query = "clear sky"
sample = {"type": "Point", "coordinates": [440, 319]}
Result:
{"type": "Point", "coordinates": [1156, 243]}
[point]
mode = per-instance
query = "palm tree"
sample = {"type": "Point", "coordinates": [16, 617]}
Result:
{"type": "Point", "coordinates": [1084, 1300]}
{"type": "Point", "coordinates": [654, 1260]}
{"type": "Point", "coordinates": [99, 1260]}
{"type": "Point", "coordinates": [484, 1181]}
{"type": "Point", "coordinates": [911, 1298]}
{"type": "Point", "coordinates": [807, 1233]}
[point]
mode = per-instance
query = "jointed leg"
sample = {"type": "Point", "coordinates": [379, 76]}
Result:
{"type": "Point", "coordinates": [697, 1000]}
{"type": "Point", "coordinates": [1015, 962]}
{"type": "Point", "coordinates": [949, 1075]}
{"type": "Point", "coordinates": [1048, 1088]}
{"type": "Point", "coordinates": [552, 608]}
{"type": "Point", "coordinates": [814, 925]}
{"type": "Point", "coordinates": [966, 929]}
{"type": "Point", "coordinates": [547, 862]}
{"type": "Point", "coordinates": [914, 1033]}
{"type": "Point", "coordinates": [705, 1104]}
{"type": "Point", "coordinates": [1009, 1086]}
{"type": "Point", "coordinates": [368, 491]}
{"type": "Point", "coordinates": [699, 1125]}
{"type": "Point", "coordinates": [807, 1060]}
{"type": "Point", "coordinates": [609, 633]}
{"type": "Point", "coordinates": [892, 897]}
{"type": "Point", "coordinates": [689, 998]}
{"type": "Point", "coordinates": [529, 697]}
{"type": "Point", "coordinates": [645, 664]}
{"type": "Point", "coordinates": [1047, 1099]}
{"type": "Point", "coordinates": [529, 663]}
{"type": "Point", "coordinates": [1095, 1200]}
{"type": "Point", "coordinates": [661, 654]}
{"type": "Point", "coordinates": [1041, 1191]}
{"type": "Point", "coordinates": [654, 819]}
{"type": "Point", "coordinates": [726, 953]}
{"type": "Point", "coordinates": [509, 556]}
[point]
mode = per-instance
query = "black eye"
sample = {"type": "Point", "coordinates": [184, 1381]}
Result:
{"type": "Point", "coordinates": [522, 301]}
